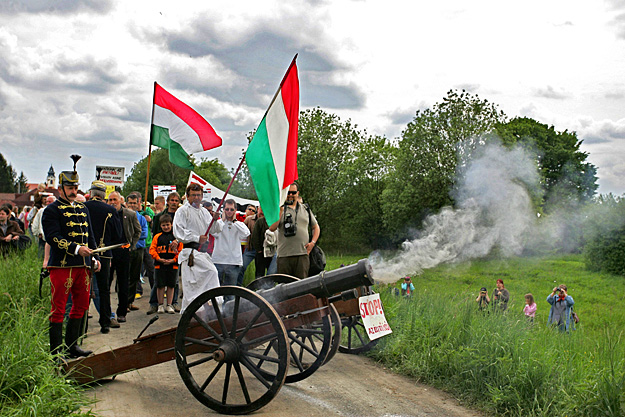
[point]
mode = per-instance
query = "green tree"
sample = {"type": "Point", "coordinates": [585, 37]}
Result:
{"type": "Point", "coordinates": [341, 173]}
{"type": "Point", "coordinates": [566, 176]}
{"type": "Point", "coordinates": [163, 172]}
{"type": "Point", "coordinates": [7, 176]}
{"type": "Point", "coordinates": [435, 145]}
{"type": "Point", "coordinates": [21, 184]}
{"type": "Point", "coordinates": [604, 231]}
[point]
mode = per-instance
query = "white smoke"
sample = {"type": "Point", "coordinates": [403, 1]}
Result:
{"type": "Point", "coordinates": [494, 210]}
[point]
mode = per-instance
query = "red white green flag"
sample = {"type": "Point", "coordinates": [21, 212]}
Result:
{"type": "Point", "coordinates": [179, 128]}
{"type": "Point", "coordinates": [272, 155]}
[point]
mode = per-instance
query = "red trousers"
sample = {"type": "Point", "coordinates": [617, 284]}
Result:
{"type": "Point", "coordinates": [63, 282]}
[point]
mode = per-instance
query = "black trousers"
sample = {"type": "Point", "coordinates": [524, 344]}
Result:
{"type": "Point", "coordinates": [262, 264]}
{"type": "Point", "coordinates": [121, 265]}
{"type": "Point", "coordinates": [104, 290]}
{"type": "Point", "coordinates": [136, 259]}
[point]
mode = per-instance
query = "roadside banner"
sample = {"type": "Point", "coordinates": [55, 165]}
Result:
{"type": "Point", "coordinates": [373, 318]}
{"type": "Point", "coordinates": [163, 190]}
{"type": "Point", "coordinates": [110, 175]}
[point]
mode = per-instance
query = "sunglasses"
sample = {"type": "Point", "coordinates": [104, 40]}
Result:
{"type": "Point", "coordinates": [252, 210]}
{"type": "Point", "coordinates": [229, 209]}
{"type": "Point", "coordinates": [292, 192]}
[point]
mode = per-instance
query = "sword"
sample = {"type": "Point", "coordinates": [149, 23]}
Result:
{"type": "Point", "coordinates": [105, 248]}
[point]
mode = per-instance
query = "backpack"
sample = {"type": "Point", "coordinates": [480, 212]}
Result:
{"type": "Point", "coordinates": [316, 257]}
{"type": "Point", "coordinates": [574, 316]}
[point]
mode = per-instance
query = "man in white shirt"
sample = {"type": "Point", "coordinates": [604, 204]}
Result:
{"type": "Point", "coordinates": [198, 273]}
{"type": "Point", "coordinates": [227, 253]}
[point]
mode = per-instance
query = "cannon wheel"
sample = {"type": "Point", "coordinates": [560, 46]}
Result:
{"type": "Point", "coordinates": [311, 346]}
{"type": "Point", "coordinates": [243, 345]}
{"type": "Point", "coordinates": [356, 335]}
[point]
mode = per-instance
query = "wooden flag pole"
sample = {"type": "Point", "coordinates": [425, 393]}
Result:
{"type": "Point", "coordinates": [147, 176]}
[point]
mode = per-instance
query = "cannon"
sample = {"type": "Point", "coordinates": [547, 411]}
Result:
{"type": "Point", "coordinates": [234, 356]}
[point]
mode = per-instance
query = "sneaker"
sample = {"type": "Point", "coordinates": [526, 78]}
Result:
{"type": "Point", "coordinates": [152, 310]}
{"type": "Point", "coordinates": [161, 309]}
{"type": "Point", "coordinates": [115, 324]}
{"type": "Point", "coordinates": [106, 329]}
{"type": "Point", "coordinates": [176, 308]}
{"type": "Point", "coordinates": [121, 319]}
{"type": "Point", "coordinates": [133, 307]}
{"type": "Point", "coordinates": [169, 309]}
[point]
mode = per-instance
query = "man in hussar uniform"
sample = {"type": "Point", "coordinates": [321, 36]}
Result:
{"type": "Point", "coordinates": [67, 229]}
{"type": "Point", "coordinates": [198, 273]}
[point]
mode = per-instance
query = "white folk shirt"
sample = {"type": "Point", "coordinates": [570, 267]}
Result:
{"type": "Point", "coordinates": [189, 224]}
{"type": "Point", "coordinates": [227, 249]}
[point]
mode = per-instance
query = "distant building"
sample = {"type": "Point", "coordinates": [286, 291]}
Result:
{"type": "Point", "coordinates": [51, 179]}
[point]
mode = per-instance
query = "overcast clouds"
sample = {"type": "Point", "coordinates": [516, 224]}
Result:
{"type": "Point", "coordinates": [77, 76]}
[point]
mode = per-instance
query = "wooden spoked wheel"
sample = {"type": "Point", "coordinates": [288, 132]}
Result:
{"type": "Point", "coordinates": [355, 339]}
{"type": "Point", "coordinates": [233, 357]}
{"type": "Point", "coordinates": [310, 345]}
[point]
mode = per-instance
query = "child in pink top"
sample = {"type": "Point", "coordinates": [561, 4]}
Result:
{"type": "Point", "coordinates": [530, 307]}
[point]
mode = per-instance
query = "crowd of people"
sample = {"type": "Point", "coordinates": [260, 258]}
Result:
{"type": "Point", "coordinates": [93, 246]}
{"type": "Point", "coordinates": [561, 314]}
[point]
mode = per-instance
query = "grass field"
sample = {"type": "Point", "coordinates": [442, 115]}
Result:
{"type": "Point", "coordinates": [500, 363]}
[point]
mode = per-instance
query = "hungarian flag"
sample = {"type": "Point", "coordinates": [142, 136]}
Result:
{"type": "Point", "coordinates": [179, 128]}
{"type": "Point", "coordinates": [272, 155]}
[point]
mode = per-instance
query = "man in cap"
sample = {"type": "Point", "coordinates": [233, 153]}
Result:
{"type": "Point", "coordinates": [67, 229]}
{"type": "Point", "coordinates": [107, 231]}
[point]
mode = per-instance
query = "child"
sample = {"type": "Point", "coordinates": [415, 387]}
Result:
{"type": "Point", "coordinates": [530, 307]}
{"type": "Point", "coordinates": [165, 264]}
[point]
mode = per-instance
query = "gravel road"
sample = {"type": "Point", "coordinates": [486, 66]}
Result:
{"type": "Point", "coordinates": [348, 385]}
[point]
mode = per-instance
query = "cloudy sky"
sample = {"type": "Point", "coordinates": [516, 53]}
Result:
{"type": "Point", "coordinates": [76, 76]}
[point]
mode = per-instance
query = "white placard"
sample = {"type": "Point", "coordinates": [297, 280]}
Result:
{"type": "Point", "coordinates": [372, 315]}
{"type": "Point", "coordinates": [110, 175]}
{"type": "Point", "coordinates": [163, 190]}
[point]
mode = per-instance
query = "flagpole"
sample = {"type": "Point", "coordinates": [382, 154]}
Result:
{"type": "Point", "coordinates": [243, 158]}
{"type": "Point", "coordinates": [147, 177]}
{"type": "Point", "coordinates": [221, 203]}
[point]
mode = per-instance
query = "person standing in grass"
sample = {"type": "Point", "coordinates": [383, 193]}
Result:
{"type": "Point", "coordinates": [530, 307]}
{"type": "Point", "coordinates": [482, 299]}
{"type": "Point", "coordinates": [561, 305]}
{"type": "Point", "coordinates": [501, 296]}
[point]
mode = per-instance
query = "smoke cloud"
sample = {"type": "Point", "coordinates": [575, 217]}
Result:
{"type": "Point", "coordinates": [493, 210]}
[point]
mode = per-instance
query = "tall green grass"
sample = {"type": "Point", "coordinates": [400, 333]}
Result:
{"type": "Point", "coordinates": [30, 383]}
{"type": "Point", "coordinates": [501, 363]}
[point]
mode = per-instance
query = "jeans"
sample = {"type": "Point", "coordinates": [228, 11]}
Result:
{"type": "Point", "coordinates": [248, 257]}
{"type": "Point", "coordinates": [273, 266]}
{"type": "Point", "coordinates": [227, 276]}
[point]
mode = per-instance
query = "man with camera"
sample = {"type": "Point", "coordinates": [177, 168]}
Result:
{"type": "Point", "coordinates": [294, 244]}
{"type": "Point", "coordinates": [561, 305]}
{"type": "Point", "coordinates": [227, 252]}
{"type": "Point", "coordinates": [483, 300]}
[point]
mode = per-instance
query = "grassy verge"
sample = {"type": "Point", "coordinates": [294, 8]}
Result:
{"type": "Point", "coordinates": [30, 384]}
{"type": "Point", "coordinates": [501, 363]}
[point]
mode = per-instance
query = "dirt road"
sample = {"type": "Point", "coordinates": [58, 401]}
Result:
{"type": "Point", "coordinates": [347, 386]}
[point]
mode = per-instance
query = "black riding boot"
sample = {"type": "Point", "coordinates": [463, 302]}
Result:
{"type": "Point", "coordinates": [56, 337]}
{"type": "Point", "coordinates": [72, 333]}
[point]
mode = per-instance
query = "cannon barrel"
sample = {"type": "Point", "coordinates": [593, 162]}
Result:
{"type": "Point", "coordinates": [325, 284]}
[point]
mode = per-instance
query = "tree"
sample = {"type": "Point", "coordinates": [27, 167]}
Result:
{"type": "Point", "coordinates": [341, 172]}
{"type": "Point", "coordinates": [21, 184]}
{"type": "Point", "coordinates": [435, 145]}
{"type": "Point", "coordinates": [163, 172]}
{"type": "Point", "coordinates": [7, 176]}
{"type": "Point", "coordinates": [566, 177]}
{"type": "Point", "coordinates": [605, 234]}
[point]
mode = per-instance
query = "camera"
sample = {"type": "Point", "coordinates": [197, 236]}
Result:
{"type": "Point", "coordinates": [290, 228]}
{"type": "Point", "coordinates": [558, 289]}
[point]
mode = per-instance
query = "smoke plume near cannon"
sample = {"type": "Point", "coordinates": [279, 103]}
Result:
{"type": "Point", "coordinates": [493, 210]}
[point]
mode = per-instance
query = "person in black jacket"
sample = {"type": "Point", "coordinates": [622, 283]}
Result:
{"type": "Point", "coordinates": [107, 230]}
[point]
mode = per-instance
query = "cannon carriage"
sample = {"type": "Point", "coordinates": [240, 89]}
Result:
{"type": "Point", "coordinates": [235, 355]}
